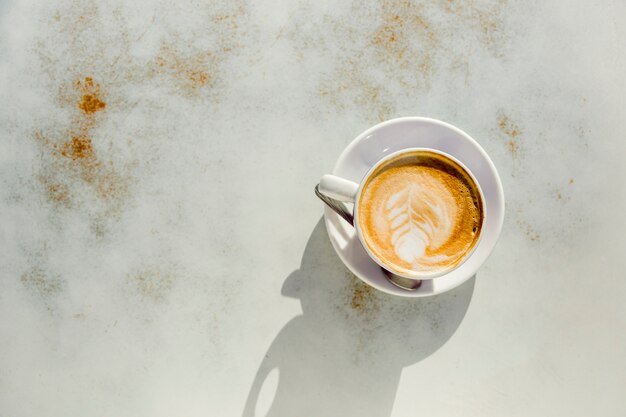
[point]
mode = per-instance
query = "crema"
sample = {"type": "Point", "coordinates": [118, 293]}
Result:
{"type": "Point", "coordinates": [420, 213]}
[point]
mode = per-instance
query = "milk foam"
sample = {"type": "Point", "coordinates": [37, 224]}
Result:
{"type": "Point", "coordinates": [420, 213]}
{"type": "Point", "coordinates": [417, 220]}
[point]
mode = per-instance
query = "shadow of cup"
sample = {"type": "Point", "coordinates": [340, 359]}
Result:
{"type": "Point", "coordinates": [345, 353]}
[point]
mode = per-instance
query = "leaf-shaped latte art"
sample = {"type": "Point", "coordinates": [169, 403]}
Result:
{"type": "Point", "coordinates": [418, 220]}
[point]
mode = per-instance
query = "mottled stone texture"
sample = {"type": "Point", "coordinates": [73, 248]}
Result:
{"type": "Point", "coordinates": [161, 250]}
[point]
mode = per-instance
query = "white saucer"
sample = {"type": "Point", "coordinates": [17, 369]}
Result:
{"type": "Point", "coordinates": [411, 132]}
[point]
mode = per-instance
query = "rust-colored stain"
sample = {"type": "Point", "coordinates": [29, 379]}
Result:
{"type": "Point", "coordinates": [512, 130]}
{"type": "Point", "coordinates": [153, 283]}
{"type": "Point", "coordinates": [198, 69]}
{"type": "Point", "coordinates": [360, 296]}
{"type": "Point", "coordinates": [401, 46]}
{"type": "Point", "coordinates": [485, 18]}
{"type": "Point", "coordinates": [78, 148]}
{"type": "Point", "coordinates": [40, 283]}
{"type": "Point", "coordinates": [88, 154]}
{"type": "Point", "coordinates": [508, 127]}
{"type": "Point", "coordinates": [91, 100]}
{"type": "Point", "coordinates": [74, 160]}
{"type": "Point", "coordinates": [395, 37]}
{"type": "Point", "coordinates": [559, 196]}
{"type": "Point", "coordinates": [513, 147]}
{"type": "Point", "coordinates": [198, 77]}
{"type": "Point", "coordinates": [57, 193]}
{"type": "Point", "coordinates": [193, 62]}
{"type": "Point", "coordinates": [192, 71]}
{"type": "Point", "coordinates": [230, 20]}
{"type": "Point", "coordinates": [363, 298]}
{"type": "Point", "coordinates": [395, 49]}
{"type": "Point", "coordinates": [530, 232]}
{"type": "Point", "coordinates": [353, 88]}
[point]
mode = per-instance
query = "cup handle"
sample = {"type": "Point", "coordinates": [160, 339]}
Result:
{"type": "Point", "coordinates": [334, 191]}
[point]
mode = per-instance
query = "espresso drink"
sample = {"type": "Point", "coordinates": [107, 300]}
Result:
{"type": "Point", "coordinates": [420, 213]}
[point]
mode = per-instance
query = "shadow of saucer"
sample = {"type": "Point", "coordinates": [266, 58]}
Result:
{"type": "Point", "coordinates": [344, 355]}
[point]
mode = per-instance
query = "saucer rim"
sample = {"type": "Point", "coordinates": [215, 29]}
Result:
{"type": "Point", "coordinates": [492, 171]}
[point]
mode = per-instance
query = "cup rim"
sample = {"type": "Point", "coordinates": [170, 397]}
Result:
{"type": "Point", "coordinates": [417, 275]}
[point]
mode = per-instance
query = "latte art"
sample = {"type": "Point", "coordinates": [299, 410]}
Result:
{"type": "Point", "coordinates": [420, 213]}
{"type": "Point", "coordinates": [417, 221]}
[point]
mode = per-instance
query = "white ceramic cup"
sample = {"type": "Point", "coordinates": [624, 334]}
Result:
{"type": "Point", "coordinates": [342, 190]}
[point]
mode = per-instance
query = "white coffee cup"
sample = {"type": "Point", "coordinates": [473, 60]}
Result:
{"type": "Point", "coordinates": [337, 190]}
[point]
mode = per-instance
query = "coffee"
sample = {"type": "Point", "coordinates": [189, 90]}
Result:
{"type": "Point", "coordinates": [420, 212]}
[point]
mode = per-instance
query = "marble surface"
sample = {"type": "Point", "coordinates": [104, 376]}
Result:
{"type": "Point", "coordinates": [162, 252]}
